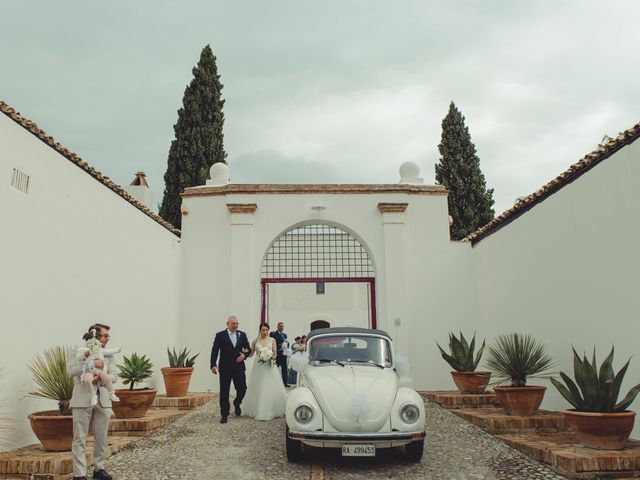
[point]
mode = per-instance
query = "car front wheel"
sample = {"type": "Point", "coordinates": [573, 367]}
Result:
{"type": "Point", "coordinates": [414, 451]}
{"type": "Point", "coordinates": [294, 448]}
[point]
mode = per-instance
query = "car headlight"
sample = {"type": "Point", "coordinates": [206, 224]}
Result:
{"type": "Point", "coordinates": [409, 413]}
{"type": "Point", "coordinates": [303, 414]}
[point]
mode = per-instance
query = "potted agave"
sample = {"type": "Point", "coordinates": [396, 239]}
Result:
{"type": "Point", "coordinates": [516, 358]}
{"type": "Point", "coordinates": [54, 428]}
{"type": "Point", "coordinates": [178, 374]}
{"type": "Point", "coordinates": [134, 402]}
{"type": "Point", "coordinates": [598, 419]}
{"type": "Point", "coordinates": [462, 360]}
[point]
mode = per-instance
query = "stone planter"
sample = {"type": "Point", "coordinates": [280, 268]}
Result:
{"type": "Point", "coordinates": [54, 431]}
{"type": "Point", "coordinates": [471, 382]}
{"type": "Point", "coordinates": [603, 431]}
{"type": "Point", "coordinates": [520, 401]}
{"type": "Point", "coordinates": [133, 403]}
{"type": "Point", "coordinates": [176, 380]}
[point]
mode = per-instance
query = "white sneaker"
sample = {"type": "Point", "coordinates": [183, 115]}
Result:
{"type": "Point", "coordinates": [113, 397]}
{"type": "Point", "coordinates": [94, 400]}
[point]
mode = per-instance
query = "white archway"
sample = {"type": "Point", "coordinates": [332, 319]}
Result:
{"type": "Point", "coordinates": [321, 253]}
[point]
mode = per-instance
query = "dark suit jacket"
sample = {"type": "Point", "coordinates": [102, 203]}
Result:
{"type": "Point", "coordinates": [280, 339]}
{"type": "Point", "coordinates": [228, 353]}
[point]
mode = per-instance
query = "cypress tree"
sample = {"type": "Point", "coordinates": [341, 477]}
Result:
{"type": "Point", "coordinates": [470, 203]}
{"type": "Point", "coordinates": [198, 142]}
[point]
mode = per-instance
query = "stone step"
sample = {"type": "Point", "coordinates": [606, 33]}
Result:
{"type": "Point", "coordinates": [141, 427]}
{"type": "Point", "coordinates": [452, 399]}
{"type": "Point", "coordinates": [563, 453]}
{"type": "Point", "coordinates": [34, 460]}
{"type": "Point", "coordinates": [188, 402]}
{"type": "Point", "coordinates": [495, 421]}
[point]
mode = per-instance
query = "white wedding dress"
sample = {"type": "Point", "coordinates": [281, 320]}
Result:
{"type": "Point", "coordinates": [266, 396]}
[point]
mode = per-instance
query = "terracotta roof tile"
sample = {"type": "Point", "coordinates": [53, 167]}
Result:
{"type": "Point", "coordinates": [572, 173]}
{"type": "Point", "coordinates": [72, 157]}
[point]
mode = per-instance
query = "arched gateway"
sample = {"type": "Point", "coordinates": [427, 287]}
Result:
{"type": "Point", "coordinates": [312, 268]}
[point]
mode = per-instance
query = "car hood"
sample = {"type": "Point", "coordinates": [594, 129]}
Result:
{"type": "Point", "coordinates": [354, 398]}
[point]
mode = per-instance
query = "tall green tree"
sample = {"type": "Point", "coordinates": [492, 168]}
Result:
{"type": "Point", "coordinates": [470, 203]}
{"type": "Point", "coordinates": [198, 140]}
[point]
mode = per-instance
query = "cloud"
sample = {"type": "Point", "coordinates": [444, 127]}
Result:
{"type": "Point", "coordinates": [337, 90]}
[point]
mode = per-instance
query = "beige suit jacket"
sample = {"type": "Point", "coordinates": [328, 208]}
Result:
{"type": "Point", "coordinates": [80, 397]}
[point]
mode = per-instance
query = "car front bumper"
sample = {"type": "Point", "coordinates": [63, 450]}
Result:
{"type": "Point", "coordinates": [338, 439]}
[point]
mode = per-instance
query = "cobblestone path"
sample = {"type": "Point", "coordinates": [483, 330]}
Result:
{"type": "Point", "coordinates": [198, 447]}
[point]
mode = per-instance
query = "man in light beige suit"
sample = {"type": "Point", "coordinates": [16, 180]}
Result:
{"type": "Point", "coordinates": [83, 412]}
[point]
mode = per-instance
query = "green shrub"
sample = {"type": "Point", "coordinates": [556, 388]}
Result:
{"type": "Point", "coordinates": [181, 360]}
{"type": "Point", "coordinates": [461, 356]}
{"type": "Point", "coordinates": [135, 369]}
{"type": "Point", "coordinates": [49, 372]}
{"type": "Point", "coordinates": [595, 391]}
{"type": "Point", "coordinates": [516, 357]}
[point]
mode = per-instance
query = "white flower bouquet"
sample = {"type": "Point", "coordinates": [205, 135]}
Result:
{"type": "Point", "coordinates": [94, 346]}
{"type": "Point", "coordinates": [267, 355]}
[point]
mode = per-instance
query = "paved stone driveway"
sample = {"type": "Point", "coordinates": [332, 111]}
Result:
{"type": "Point", "coordinates": [198, 447]}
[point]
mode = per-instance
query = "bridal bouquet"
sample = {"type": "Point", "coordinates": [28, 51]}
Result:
{"type": "Point", "coordinates": [93, 345]}
{"type": "Point", "coordinates": [266, 355]}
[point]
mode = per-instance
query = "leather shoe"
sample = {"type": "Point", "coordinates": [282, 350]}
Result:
{"type": "Point", "coordinates": [223, 419]}
{"type": "Point", "coordinates": [101, 475]}
{"type": "Point", "coordinates": [238, 411]}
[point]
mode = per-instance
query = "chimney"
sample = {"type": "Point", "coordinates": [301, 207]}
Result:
{"type": "Point", "coordinates": [139, 189]}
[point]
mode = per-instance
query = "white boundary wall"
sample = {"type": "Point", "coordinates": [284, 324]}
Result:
{"type": "Point", "coordinates": [567, 271]}
{"type": "Point", "coordinates": [418, 270]}
{"type": "Point", "coordinates": [297, 305]}
{"type": "Point", "coordinates": [75, 253]}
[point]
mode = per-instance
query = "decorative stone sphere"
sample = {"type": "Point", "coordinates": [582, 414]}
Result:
{"type": "Point", "coordinates": [409, 170]}
{"type": "Point", "coordinates": [410, 173]}
{"type": "Point", "coordinates": [219, 174]}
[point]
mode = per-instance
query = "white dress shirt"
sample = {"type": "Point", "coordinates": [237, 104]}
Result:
{"type": "Point", "coordinates": [233, 336]}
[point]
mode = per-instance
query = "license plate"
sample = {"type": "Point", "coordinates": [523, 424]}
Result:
{"type": "Point", "coordinates": [358, 450]}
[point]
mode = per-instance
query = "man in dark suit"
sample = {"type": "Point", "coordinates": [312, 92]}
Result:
{"type": "Point", "coordinates": [281, 358]}
{"type": "Point", "coordinates": [233, 347]}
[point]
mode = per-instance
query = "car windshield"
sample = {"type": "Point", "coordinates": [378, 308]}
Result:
{"type": "Point", "coordinates": [351, 349]}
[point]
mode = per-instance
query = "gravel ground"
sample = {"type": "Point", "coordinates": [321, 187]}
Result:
{"type": "Point", "coordinates": [197, 446]}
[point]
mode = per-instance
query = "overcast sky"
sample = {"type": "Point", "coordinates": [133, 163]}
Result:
{"type": "Point", "coordinates": [333, 91]}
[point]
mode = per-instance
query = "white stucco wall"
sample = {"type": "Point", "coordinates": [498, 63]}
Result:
{"type": "Point", "coordinates": [425, 279]}
{"type": "Point", "coordinates": [297, 305]}
{"type": "Point", "coordinates": [75, 253]}
{"type": "Point", "coordinates": [566, 271]}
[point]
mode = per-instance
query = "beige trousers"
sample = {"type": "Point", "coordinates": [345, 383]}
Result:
{"type": "Point", "coordinates": [81, 419]}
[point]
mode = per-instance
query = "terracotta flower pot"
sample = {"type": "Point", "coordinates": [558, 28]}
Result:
{"type": "Point", "coordinates": [520, 401]}
{"type": "Point", "coordinates": [604, 431]}
{"type": "Point", "coordinates": [54, 431]}
{"type": "Point", "coordinates": [471, 382]}
{"type": "Point", "coordinates": [176, 380]}
{"type": "Point", "coordinates": [133, 403]}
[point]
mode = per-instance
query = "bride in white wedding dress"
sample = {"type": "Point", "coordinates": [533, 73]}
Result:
{"type": "Point", "coordinates": [266, 396]}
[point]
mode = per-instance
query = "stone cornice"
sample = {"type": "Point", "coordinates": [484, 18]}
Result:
{"type": "Point", "coordinates": [241, 207]}
{"type": "Point", "coordinates": [392, 207]}
{"type": "Point", "coordinates": [302, 189]}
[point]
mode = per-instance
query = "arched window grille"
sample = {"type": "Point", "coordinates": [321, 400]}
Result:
{"type": "Point", "coordinates": [317, 251]}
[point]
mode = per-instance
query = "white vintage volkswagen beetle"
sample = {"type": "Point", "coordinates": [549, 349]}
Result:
{"type": "Point", "coordinates": [348, 397]}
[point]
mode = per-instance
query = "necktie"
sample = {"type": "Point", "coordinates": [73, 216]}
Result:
{"type": "Point", "coordinates": [233, 338]}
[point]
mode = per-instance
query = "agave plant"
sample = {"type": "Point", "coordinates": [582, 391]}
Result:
{"type": "Point", "coordinates": [461, 356]}
{"type": "Point", "coordinates": [49, 372]}
{"type": "Point", "coordinates": [595, 392]}
{"type": "Point", "coordinates": [516, 357]}
{"type": "Point", "coordinates": [181, 360]}
{"type": "Point", "coordinates": [135, 369]}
